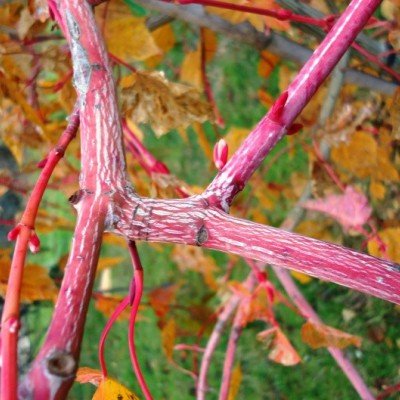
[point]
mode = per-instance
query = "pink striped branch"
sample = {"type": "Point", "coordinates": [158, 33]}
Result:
{"type": "Point", "coordinates": [234, 176]}
{"type": "Point", "coordinates": [193, 221]}
{"type": "Point", "coordinates": [103, 174]}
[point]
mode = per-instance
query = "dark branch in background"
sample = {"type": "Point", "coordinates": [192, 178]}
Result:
{"type": "Point", "coordinates": [275, 43]}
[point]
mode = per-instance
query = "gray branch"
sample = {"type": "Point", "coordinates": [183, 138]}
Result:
{"type": "Point", "coordinates": [275, 43]}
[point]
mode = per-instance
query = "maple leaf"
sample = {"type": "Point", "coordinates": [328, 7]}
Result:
{"type": "Point", "coordinates": [318, 335]}
{"type": "Point", "coordinates": [350, 209]}
{"type": "Point", "coordinates": [151, 98]}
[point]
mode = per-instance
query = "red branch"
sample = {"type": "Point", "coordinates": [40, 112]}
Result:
{"type": "Point", "coordinates": [234, 176]}
{"type": "Point", "coordinates": [26, 237]}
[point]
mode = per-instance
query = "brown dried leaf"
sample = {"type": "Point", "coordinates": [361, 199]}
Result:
{"type": "Point", "coordinates": [151, 98]}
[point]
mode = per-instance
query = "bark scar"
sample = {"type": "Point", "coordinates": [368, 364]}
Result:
{"type": "Point", "coordinates": [201, 236]}
{"type": "Point", "coordinates": [80, 59]}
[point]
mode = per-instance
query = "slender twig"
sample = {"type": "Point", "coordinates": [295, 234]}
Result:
{"type": "Point", "coordinates": [26, 237]}
{"type": "Point", "coordinates": [236, 331]}
{"type": "Point", "coordinates": [135, 302]}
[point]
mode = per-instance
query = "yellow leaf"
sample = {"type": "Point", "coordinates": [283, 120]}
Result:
{"type": "Point", "coordinates": [191, 69]}
{"type": "Point", "coordinates": [108, 262]}
{"type": "Point", "coordinates": [236, 380]}
{"type": "Point", "coordinates": [390, 237]}
{"type": "Point", "coordinates": [317, 335]}
{"type": "Point", "coordinates": [315, 229]}
{"type": "Point", "coordinates": [114, 240]}
{"type": "Point", "coordinates": [302, 278]}
{"type": "Point", "coordinates": [128, 38]}
{"type": "Point", "coordinates": [377, 190]}
{"type": "Point", "coordinates": [151, 98]}
{"type": "Point", "coordinates": [168, 335]}
{"type": "Point", "coordinates": [164, 38]}
{"type": "Point", "coordinates": [110, 389]}
{"type": "Point", "coordinates": [36, 283]}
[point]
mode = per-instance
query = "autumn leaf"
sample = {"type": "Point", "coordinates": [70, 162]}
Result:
{"type": "Point", "coordinates": [350, 209]}
{"type": "Point", "coordinates": [36, 283]}
{"type": "Point", "coordinates": [267, 63]}
{"type": "Point", "coordinates": [108, 262]}
{"type": "Point", "coordinates": [193, 259]}
{"type": "Point", "coordinates": [390, 238]}
{"type": "Point", "coordinates": [258, 21]}
{"type": "Point", "coordinates": [108, 388]}
{"type": "Point", "coordinates": [39, 9]}
{"type": "Point", "coordinates": [151, 98]}
{"type": "Point", "coordinates": [161, 299]}
{"type": "Point", "coordinates": [236, 380]}
{"type": "Point", "coordinates": [168, 335]}
{"type": "Point", "coordinates": [317, 335]}
{"type": "Point", "coordinates": [281, 351]}
{"type": "Point", "coordinates": [128, 38]}
{"type": "Point", "coordinates": [164, 38]}
{"type": "Point", "coordinates": [363, 157]}
{"type": "Point", "coordinates": [89, 375]}
{"type": "Point", "coordinates": [107, 305]}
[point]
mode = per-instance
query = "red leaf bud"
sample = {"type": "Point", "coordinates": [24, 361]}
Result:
{"type": "Point", "coordinates": [220, 154]}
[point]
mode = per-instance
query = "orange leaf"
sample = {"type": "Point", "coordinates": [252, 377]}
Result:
{"type": "Point", "coordinates": [267, 63]}
{"type": "Point", "coordinates": [318, 335]}
{"type": "Point", "coordinates": [161, 298]}
{"type": "Point", "coordinates": [282, 351]}
{"type": "Point", "coordinates": [107, 305]}
{"type": "Point", "coordinates": [89, 375]}
{"type": "Point", "coordinates": [36, 283]}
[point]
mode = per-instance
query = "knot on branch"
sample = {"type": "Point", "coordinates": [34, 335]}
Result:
{"type": "Point", "coordinates": [61, 363]}
{"type": "Point", "coordinates": [201, 236]}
